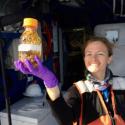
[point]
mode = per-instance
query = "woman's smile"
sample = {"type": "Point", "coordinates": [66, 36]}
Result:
{"type": "Point", "coordinates": [93, 67]}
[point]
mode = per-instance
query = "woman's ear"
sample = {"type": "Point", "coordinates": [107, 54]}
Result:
{"type": "Point", "coordinates": [110, 60]}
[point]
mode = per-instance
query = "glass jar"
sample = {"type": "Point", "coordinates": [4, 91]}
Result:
{"type": "Point", "coordinates": [30, 42]}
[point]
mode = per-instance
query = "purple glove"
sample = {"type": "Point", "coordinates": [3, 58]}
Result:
{"type": "Point", "coordinates": [40, 71]}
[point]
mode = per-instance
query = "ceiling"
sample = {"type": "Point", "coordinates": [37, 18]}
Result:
{"type": "Point", "coordinates": [69, 13]}
{"type": "Point", "coordinates": [89, 12]}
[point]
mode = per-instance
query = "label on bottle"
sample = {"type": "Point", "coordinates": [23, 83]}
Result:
{"type": "Point", "coordinates": [29, 47]}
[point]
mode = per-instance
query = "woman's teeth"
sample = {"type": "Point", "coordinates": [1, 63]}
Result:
{"type": "Point", "coordinates": [92, 68]}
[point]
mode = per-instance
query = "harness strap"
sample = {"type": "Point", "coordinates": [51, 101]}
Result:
{"type": "Point", "coordinates": [81, 114]}
{"type": "Point", "coordinates": [103, 103]}
{"type": "Point", "coordinates": [113, 101]}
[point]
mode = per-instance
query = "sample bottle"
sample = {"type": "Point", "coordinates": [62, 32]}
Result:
{"type": "Point", "coordinates": [30, 42]}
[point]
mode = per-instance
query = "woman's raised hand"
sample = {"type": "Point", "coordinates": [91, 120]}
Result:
{"type": "Point", "coordinates": [41, 71]}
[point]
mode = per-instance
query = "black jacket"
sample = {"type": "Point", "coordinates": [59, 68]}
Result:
{"type": "Point", "coordinates": [66, 109]}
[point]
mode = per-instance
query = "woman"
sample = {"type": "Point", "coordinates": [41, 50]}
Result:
{"type": "Point", "coordinates": [97, 100]}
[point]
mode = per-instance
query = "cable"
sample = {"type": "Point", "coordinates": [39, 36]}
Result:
{"type": "Point", "coordinates": [5, 87]}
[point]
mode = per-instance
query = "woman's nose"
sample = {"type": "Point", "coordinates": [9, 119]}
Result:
{"type": "Point", "coordinates": [94, 58]}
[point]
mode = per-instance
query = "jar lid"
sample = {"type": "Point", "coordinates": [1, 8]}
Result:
{"type": "Point", "coordinates": [30, 22]}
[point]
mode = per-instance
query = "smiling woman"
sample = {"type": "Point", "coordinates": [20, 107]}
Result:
{"type": "Point", "coordinates": [97, 99]}
{"type": "Point", "coordinates": [97, 55]}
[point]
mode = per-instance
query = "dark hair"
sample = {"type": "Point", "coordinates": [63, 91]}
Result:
{"type": "Point", "coordinates": [103, 40]}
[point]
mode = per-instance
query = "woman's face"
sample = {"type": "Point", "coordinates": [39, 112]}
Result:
{"type": "Point", "coordinates": [96, 57]}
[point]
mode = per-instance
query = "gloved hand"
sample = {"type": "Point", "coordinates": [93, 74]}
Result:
{"type": "Point", "coordinates": [40, 71]}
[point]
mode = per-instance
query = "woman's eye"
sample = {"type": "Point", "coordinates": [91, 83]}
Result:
{"type": "Point", "coordinates": [100, 54]}
{"type": "Point", "coordinates": [88, 54]}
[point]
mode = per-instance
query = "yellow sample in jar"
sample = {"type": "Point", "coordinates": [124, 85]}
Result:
{"type": "Point", "coordinates": [30, 42]}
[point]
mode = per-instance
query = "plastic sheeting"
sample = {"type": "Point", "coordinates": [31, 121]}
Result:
{"type": "Point", "coordinates": [117, 36]}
